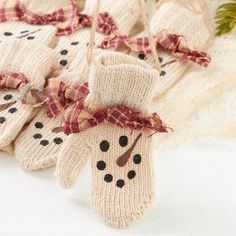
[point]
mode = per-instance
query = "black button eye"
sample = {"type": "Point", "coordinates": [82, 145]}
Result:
{"type": "Point", "coordinates": [12, 110]}
{"type": "Point", "coordinates": [160, 59]}
{"type": "Point", "coordinates": [7, 33]}
{"type": "Point", "coordinates": [162, 73]}
{"type": "Point", "coordinates": [104, 146]}
{"type": "Point", "coordinates": [8, 97]}
{"type": "Point", "coordinates": [39, 125]}
{"type": "Point", "coordinates": [123, 141]}
{"type": "Point", "coordinates": [74, 43]}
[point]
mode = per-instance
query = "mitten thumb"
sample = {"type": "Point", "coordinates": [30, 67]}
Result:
{"type": "Point", "coordinates": [71, 159]}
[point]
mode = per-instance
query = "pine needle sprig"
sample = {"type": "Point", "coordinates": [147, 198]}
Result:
{"type": "Point", "coordinates": [225, 18]}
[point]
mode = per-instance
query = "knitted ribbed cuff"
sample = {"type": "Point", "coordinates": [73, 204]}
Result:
{"type": "Point", "coordinates": [118, 79]}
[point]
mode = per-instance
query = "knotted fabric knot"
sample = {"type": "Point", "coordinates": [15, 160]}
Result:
{"type": "Point", "coordinates": [174, 43]}
{"type": "Point", "coordinates": [60, 95]}
{"type": "Point", "coordinates": [28, 95]}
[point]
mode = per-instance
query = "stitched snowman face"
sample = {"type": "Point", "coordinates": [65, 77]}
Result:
{"type": "Point", "coordinates": [30, 33]}
{"type": "Point", "coordinates": [150, 60]}
{"type": "Point", "coordinates": [69, 46]}
{"type": "Point", "coordinates": [122, 174]}
{"type": "Point", "coordinates": [37, 145]}
{"type": "Point", "coordinates": [121, 157]}
{"type": "Point", "coordinates": [11, 117]}
{"type": "Point", "coordinates": [7, 97]}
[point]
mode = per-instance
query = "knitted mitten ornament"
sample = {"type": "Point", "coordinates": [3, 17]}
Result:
{"type": "Point", "coordinates": [22, 77]}
{"type": "Point", "coordinates": [178, 29]}
{"type": "Point", "coordinates": [112, 19]}
{"type": "Point", "coordinates": [37, 148]}
{"type": "Point", "coordinates": [32, 20]}
{"type": "Point", "coordinates": [204, 98]}
{"type": "Point", "coordinates": [115, 130]}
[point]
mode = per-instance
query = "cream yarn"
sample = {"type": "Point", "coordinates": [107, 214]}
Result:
{"type": "Point", "coordinates": [77, 43]}
{"type": "Point", "coordinates": [178, 19]}
{"type": "Point", "coordinates": [35, 64]}
{"type": "Point", "coordinates": [43, 34]}
{"type": "Point", "coordinates": [38, 148]}
{"type": "Point", "coordinates": [119, 194]}
{"type": "Point", "coordinates": [201, 103]}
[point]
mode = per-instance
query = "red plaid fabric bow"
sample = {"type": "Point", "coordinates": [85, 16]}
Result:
{"type": "Point", "coordinates": [27, 94]}
{"type": "Point", "coordinates": [174, 43]}
{"type": "Point", "coordinates": [106, 25]}
{"type": "Point", "coordinates": [83, 117]}
{"type": "Point", "coordinates": [60, 95]}
{"type": "Point", "coordinates": [66, 19]}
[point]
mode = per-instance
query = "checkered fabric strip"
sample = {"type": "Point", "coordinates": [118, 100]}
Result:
{"type": "Point", "coordinates": [15, 10]}
{"type": "Point", "coordinates": [60, 95]}
{"type": "Point", "coordinates": [82, 117]}
{"type": "Point", "coordinates": [106, 24]}
{"type": "Point", "coordinates": [67, 19]}
{"type": "Point", "coordinates": [174, 43]}
{"type": "Point", "coordinates": [12, 80]}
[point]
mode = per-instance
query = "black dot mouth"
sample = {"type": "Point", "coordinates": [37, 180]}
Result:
{"type": "Point", "coordinates": [12, 110]}
{"type": "Point", "coordinates": [101, 165]}
{"type": "Point", "coordinates": [44, 142]}
{"type": "Point", "coordinates": [120, 183]}
{"type": "Point", "coordinates": [37, 136]}
{"type": "Point", "coordinates": [137, 159]}
{"type": "Point", "coordinates": [58, 141]}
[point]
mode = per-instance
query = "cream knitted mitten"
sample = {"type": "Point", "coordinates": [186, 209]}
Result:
{"type": "Point", "coordinates": [38, 148]}
{"type": "Point", "coordinates": [43, 34]}
{"type": "Point", "coordinates": [199, 105]}
{"type": "Point", "coordinates": [121, 158]}
{"type": "Point", "coordinates": [176, 18]}
{"type": "Point", "coordinates": [20, 70]}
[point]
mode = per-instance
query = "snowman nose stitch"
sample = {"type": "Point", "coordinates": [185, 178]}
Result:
{"type": "Point", "coordinates": [123, 159]}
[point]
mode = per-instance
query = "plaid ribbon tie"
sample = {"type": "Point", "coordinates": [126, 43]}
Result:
{"type": "Point", "coordinates": [82, 117]}
{"type": "Point", "coordinates": [60, 95]}
{"type": "Point", "coordinates": [174, 43]}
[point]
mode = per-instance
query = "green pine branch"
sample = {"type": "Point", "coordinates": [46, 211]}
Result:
{"type": "Point", "coordinates": [225, 18]}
